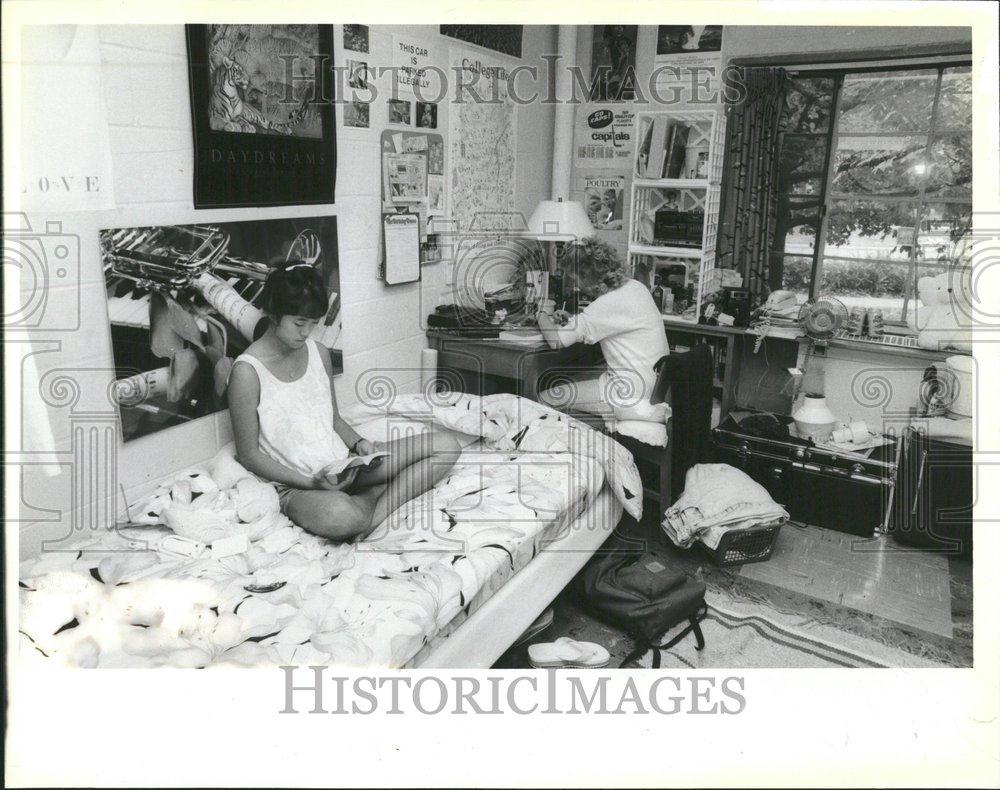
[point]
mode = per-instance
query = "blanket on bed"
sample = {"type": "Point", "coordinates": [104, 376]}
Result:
{"type": "Point", "coordinates": [116, 599]}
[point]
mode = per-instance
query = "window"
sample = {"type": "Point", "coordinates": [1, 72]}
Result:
{"type": "Point", "coordinates": [875, 186]}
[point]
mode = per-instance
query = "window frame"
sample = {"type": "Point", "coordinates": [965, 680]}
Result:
{"type": "Point", "coordinates": [828, 196]}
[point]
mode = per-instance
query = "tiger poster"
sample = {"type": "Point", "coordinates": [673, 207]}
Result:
{"type": "Point", "coordinates": [262, 113]}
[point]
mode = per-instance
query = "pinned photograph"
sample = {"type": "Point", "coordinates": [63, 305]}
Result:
{"type": "Point", "coordinates": [678, 39]}
{"type": "Point", "coordinates": [427, 115]}
{"type": "Point", "coordinates": [357, 74]}
{"type": "Point", "coordinates": [356, 38]}
{"type": "Point", "coordinates": [399, 112]}
{"type": "Point", "coordinates": [435, 194]}
{"type": "Point", "coordinates": [435, 156]}
{"type": "Point", "coordinates": [356, 113]}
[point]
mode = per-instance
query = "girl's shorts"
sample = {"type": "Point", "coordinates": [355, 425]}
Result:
{"type": "Point", "coordinates": [284, 494]}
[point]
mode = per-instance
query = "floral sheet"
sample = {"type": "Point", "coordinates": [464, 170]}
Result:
{"type": "Point", "coordinates": [117, 599]}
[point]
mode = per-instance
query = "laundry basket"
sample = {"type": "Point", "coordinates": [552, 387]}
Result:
{"type": "Point", "coordinates": [742, 546]}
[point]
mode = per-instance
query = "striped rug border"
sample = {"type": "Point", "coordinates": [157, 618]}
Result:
{"type": "Point", "coordinates": [782, 635]}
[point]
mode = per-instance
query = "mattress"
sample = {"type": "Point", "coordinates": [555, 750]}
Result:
{"type": "Point", "coordinates": [120, 599]}
{"type": "Point", "coordinates": [477, 638]}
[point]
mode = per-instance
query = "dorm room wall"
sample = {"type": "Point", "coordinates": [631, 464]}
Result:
{"type": "Point", "coordinates": [145, 91]}
{"type": "Point", "coordinates": [880, 387]}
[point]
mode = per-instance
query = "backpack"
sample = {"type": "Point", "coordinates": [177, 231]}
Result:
{"type": "Point", "coordinates": [640, 594]}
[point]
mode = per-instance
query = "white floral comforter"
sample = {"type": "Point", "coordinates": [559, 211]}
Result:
{"type": "Point", "coordinates": [294, 598]}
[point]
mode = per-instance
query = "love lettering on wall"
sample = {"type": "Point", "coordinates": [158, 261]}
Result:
{"type": "Point", "coordinates": [262, 112]}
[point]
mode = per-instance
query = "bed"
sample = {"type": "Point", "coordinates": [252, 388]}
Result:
{"type": "Point", "coordinates": [449, 580]}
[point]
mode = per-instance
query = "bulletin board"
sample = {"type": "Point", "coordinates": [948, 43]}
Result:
{"type": "Point", "coordinates": [412, 169]}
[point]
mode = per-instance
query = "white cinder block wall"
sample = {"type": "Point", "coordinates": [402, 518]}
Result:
{"type": "Point", "coordinates": [145, 90]}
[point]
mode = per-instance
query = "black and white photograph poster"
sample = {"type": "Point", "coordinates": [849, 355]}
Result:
{"type": "Point", "coordinates": [473, 395]}
{"type": "Point", "coordinates": [689, 62]}
{"type": "Point", "coordinates": [612, 64]}
{"type": "Point", "coordinates": [604, 200]}
{"type": "Point", "coordinates": [682, 39]}
{"type": "Point", "coordinates": [184, 301]}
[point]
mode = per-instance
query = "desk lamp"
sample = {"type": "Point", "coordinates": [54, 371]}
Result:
{"type": "Point", "coordinates": [557, 222]}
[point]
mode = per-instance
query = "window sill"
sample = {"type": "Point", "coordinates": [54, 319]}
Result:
{"type": "Point", "coordinates": [886, 350]}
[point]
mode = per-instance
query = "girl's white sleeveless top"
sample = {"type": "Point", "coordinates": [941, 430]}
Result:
{"type": "Point", "coordinates": [296, 417]}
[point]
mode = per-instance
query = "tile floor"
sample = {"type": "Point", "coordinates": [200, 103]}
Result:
{"type": "Point", "coordinates": [916, 601]}
{"type": "Point", "coordinates": [877, 576]}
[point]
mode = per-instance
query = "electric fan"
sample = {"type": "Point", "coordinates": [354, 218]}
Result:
{"type": "Point", "coordinates": [823, 318]}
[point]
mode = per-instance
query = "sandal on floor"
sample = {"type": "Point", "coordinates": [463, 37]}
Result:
{"type": "Point", "coordinates": [543, 621]}
{"type": "Point", "coordinates": [568, 653]}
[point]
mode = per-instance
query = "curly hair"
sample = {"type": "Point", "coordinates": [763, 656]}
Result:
{"type": "Point", "coordinates": [598, 267]}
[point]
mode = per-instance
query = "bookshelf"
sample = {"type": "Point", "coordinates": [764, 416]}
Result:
{"type": "Point", "coordinates": [676, 175]}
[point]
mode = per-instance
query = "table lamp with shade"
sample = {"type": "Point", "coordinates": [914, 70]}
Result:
{"type": "Point", "coordinates": [556, 222]}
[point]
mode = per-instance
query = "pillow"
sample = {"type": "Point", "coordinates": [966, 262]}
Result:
{"type": "Point", "coordinates": [652, 433]}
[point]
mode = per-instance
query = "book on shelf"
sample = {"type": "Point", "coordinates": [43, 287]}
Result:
{"type": "Point", "coordinates": [663, 149]}
{"type": "Point", "coordinates": [658, 146]}
{"type": "Point", "coordinates": [676, 147]}
{"type": "Point", "coordinates": [645, 141]}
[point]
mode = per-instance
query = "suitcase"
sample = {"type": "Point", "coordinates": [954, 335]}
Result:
{"type": "Point", "coordinates": [933, 504]}
{"type": "Point", "coordinates": [823, 488]}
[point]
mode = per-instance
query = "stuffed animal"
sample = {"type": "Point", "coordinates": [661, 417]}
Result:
{"type": "Point", "coordinates": [255, 499]}
{"type": "Point", "coordinates": [940, 321]}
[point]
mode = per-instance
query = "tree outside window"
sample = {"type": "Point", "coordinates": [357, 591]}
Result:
{"type": "Point", "coordinates": [875, 184]}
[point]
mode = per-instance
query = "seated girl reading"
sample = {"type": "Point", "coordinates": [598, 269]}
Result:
{"type": "Point", "coordinates": [288, 429]}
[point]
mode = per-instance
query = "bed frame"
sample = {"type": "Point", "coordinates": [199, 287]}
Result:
{"type": "Point", "coordinates": [496, 625]}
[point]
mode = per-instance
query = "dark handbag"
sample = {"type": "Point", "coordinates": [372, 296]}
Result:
{"type": "Point", "coordinates": [640, 594]}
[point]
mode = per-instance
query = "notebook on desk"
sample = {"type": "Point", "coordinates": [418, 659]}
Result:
{"type": "Point", "coordinates": [523, 336]}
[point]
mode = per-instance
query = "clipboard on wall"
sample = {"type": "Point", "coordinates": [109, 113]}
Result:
{"type": "Point", "coordinates": [400, 247]}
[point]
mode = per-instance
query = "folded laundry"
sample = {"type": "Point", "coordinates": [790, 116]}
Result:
{"type": "Point", "coordinates": [716, 499]}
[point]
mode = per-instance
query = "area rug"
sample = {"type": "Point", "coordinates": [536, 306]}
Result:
{"type": "Point", "coordinates": [746, 635]}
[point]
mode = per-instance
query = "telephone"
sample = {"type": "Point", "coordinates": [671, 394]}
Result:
{"type": "Point", "coordinates": [782, 303]}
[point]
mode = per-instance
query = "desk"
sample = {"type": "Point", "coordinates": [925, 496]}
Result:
{"type": "Point", "coordinates": [726, 352]}
{"type": "Point", "coordinates": [517, 362]}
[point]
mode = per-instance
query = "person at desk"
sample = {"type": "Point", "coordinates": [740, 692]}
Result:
{"type": "Point", "coordinates": [623, 318]}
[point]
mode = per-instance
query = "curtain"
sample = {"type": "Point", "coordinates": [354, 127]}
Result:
{"type": "Point", "coordinates": [754, 121]}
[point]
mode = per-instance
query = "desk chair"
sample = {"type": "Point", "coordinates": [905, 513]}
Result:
{"type": "Point", "coordinates": [684, 383]}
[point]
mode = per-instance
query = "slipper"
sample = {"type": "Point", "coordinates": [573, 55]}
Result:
{"type": "Point", "coordinates": [543, 621]}
{"type": "Point", "coordinates": [568, 653]}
